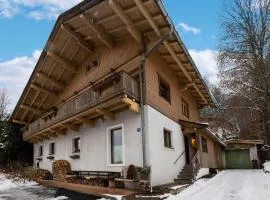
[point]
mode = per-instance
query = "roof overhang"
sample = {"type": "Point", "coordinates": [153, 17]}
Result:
{"type": "Point", "coordinates": [240, 141]}
{"type": "Point", "coordinates": [94, 23]}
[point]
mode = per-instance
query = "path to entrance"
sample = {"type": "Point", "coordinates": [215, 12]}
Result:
{"type": "Point", "coordinates": [229, 185]}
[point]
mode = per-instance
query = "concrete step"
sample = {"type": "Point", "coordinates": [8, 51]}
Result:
{"type": "Point", "coordinates": [182, 181]}
{"type": "Point", "coordinates": [185, 176]}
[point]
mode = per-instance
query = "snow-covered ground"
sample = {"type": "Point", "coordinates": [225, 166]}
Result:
{"type": "Point", "coordinates": [202, 172]}
{"type": "Point", "coordinates": [266, 166]}
{"type": "Point", "coordinates": [12, 190]}
{"type": "Point", "coordinates": [229, 185]}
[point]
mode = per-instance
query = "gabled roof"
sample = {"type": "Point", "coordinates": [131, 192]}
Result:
{"type": "Point", "coordinates": [90, 24]}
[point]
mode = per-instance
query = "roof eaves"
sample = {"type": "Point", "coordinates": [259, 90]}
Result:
{"type": "Point", "coordinates": [86, 4]}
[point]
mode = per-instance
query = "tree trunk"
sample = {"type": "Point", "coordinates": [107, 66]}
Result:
{"type": "Point", "coordinates": [267, 120]}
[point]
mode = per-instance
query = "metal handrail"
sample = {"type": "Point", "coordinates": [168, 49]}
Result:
{"type": "Point", "coordinates": [179, 157]}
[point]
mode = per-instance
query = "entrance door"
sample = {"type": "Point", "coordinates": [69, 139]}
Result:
{"type": "Point", "coordinates": [187, 149]}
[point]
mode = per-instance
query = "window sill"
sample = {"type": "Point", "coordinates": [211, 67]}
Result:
{"type": "Point", "coordinates": [75, 156]}
{"type": "Point", "coordinates": [50, 157]}
{"type": "Point", "coordinates": [169, 148]}
{"type": "Point", "coordinates": [116, 165]}
{"type": "Point", "coordinates": [39, 158]}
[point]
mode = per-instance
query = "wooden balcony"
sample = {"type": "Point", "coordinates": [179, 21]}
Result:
{"type": "Point", "coordinates": [115, 93]}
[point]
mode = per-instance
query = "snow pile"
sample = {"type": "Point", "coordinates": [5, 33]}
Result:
{"type": "Point", "coordinates": [178, 186]}
{"type": "Point", "coordinates": [59, 198]}
{"type": "Point", "coordinates": [6, 184]}
{"type": "Point", "coordinates": [266, 166]}
{"type": "Point", "coordinates": [229, 185]}
{"type": "Point", "coordinates": [118, 197]}
{"type": "Point", "coordinates": [202, 172]}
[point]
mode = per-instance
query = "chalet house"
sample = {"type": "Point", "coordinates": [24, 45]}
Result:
{"type": "Point", "coordinates": [116, 86]}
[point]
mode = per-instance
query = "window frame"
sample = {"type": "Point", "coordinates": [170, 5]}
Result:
{"type": "Point", "coordinates": [204, 144]}
{"type": "Point", "coordinates": [184, 103]}
{"type": "Point", "coordinates": [40, 150]}
{"type": "Point", "coordinates": [51, 153]}
{"type": "Point", "coordinates": [109, 146]}
{"type": "Point", "coordinates": [170, 146]}
{"type": "Point", "coordinates": [92, 60]}
{"type": "Point", "coordinates": [73, 145]}
{"type": "Point", "coordinates": [162, 81]}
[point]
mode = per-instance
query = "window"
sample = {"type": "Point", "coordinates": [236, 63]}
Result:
{"type": "Point", "coordinates": [92, 64]}
{"type": "Point", "coordinates": [116, 136]}
{"type": "Point", "coordinates": [185, 108]}
{"type": "Point", "coordinates": [51, 148]}
{"type": "Point", "coordinates": [167, 138]}
{"type": "Point", "coordinates": [76, 145]}
{"type": "Point", "coordinates": [204, 145]}
{"type": "Point", "coordinates": [164, 90]}
{"type": "Point", "coordinates": [40, 153]}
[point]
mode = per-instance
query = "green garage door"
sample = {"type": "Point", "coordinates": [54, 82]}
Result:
{"type": "Point", "coordinates": [238, 159]}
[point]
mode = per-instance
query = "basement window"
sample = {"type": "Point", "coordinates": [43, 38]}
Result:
{"type": "Point", "coordinates": [94, 63]}
{"type": "Point", "coordinates": [164, 90]}
{"type": "Point", "coordinates": [76, 145]}
{"type": "Point", "coordinates": [204, 145]}
{"type": "Point", "coordinates": [52, 148]}
{"type": "Point", "coordinates": [185, 108]}
{"type": "Point", "coordinates": [167, 138]}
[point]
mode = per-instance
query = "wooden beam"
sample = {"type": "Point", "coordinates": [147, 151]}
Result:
{"type": "Point", "coordinates": [133, 106]}
{"type": "Point", "coordinates": [104, 37]}
{"type": "Point", "coordinates": [66, 64]}
{"type": "Point", "coordinates": [51, 80]}
{"type": "Point", "coordinates": [89, 122]}
{"type": "Point", "coordinates": [187, 86]}
{"type": "Point", "coordinates": [34, 110]}
{"type": "Point", "coordinates": [148, 16]}
{"type": "Point", "coordinates": [132, 29]}
{"type": "Point", "coordinates": [67, 28]}
{"type": "Point", "coordinates": [41, 89]}
{"type": "Point", "coordinates": [73, 127]}
{"type": "Point", "coordinates": [106, 113]}
{"type": "Point", "coordinates": [19, 122]}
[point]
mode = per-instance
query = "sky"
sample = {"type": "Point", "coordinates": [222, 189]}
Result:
{"type": "Point", "coordinates": [26, 26]}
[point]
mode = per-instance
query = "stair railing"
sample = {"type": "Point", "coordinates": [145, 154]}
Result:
{"type": "Point", "coordinates": [195, 164]}
{"type": "Point", "coordinates": [179, 157]}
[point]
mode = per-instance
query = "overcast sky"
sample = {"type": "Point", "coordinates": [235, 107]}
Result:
{"type": "Point", "coordinates": [26, 25]}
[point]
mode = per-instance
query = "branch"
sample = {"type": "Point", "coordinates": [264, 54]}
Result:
{"type": "Point", "coordinates": [246, 108]}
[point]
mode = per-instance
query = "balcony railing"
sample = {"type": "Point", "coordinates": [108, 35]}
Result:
{"type": "Point", "coordinates": [106, 90]}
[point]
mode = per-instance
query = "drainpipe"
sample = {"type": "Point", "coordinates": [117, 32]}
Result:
{"type": "Point", "coordinates": [145, 55]}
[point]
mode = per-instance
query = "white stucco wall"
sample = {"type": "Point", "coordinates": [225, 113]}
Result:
{"type": "Point", "coordinates": [253, 153]}
{"type": "Point", "coordinates": [159, 158]}
{"type": "Point", "coordinates": [93, 155]}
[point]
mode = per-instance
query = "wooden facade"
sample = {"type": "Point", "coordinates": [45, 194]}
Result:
{"type": "Point", "coordinates": [74, 80]}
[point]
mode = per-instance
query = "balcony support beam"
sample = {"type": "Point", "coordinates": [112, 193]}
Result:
{"type": "Point", "coordinates": [19, 122]}
{"type": "Point", "coordinates": [133, 106]}
{"type": "Point", "coordinates": [75, 128]}
{"type": "Point", "coordinates": [90, 123]}
{"type": "Point", "coordinates": [106, 113]}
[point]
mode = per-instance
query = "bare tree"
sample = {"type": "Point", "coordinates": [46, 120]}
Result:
{"type": "Point", "coordinates": [245, 60]}
{"type": "Point", "coordinates": [4, 101]}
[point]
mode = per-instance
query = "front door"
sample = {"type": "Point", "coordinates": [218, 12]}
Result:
{"type": "Point", "coordinates": [187, 149]}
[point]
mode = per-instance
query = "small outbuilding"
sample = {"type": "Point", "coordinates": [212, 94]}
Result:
{"type": "Point", "coordinates": [242, 154]}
